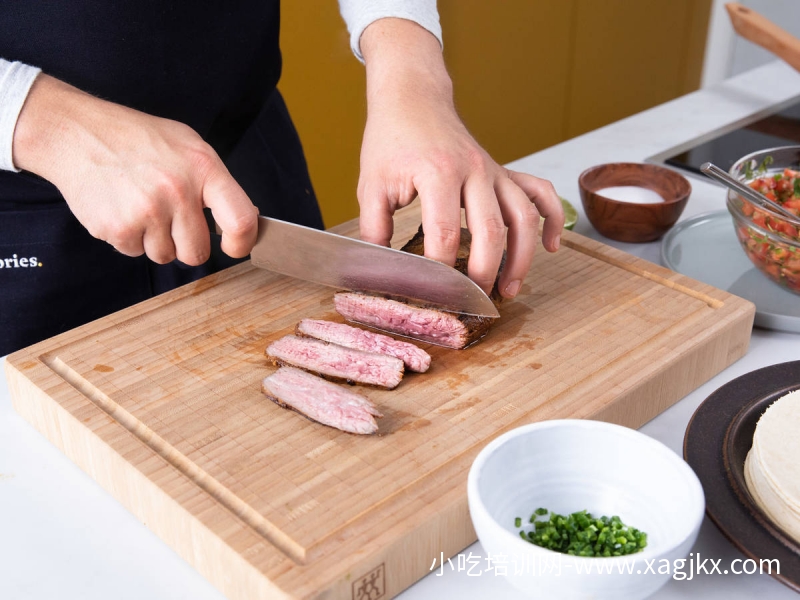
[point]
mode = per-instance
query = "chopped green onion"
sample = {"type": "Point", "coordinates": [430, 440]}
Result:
{"type": "Point", "coordinates": [581, 534]}
{"type": "Point", "coordinates": [762, 168]}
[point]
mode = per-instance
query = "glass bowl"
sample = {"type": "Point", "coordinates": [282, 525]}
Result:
{"type": "Point", "coordinates": [770, 240]}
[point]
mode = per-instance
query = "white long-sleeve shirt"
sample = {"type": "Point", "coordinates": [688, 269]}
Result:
{"type": "Point", "coordinates": [17, 78]}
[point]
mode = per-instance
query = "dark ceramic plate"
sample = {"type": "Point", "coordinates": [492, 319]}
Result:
{"type": "Point", "coordinates": [717, 441]}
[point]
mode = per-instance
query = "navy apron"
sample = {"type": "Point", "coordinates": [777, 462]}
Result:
{"type": "Point", "coordinates": [212, 64]}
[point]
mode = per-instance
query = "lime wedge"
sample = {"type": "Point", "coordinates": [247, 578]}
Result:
{"type": "Point", "coordinates": [570, 214]}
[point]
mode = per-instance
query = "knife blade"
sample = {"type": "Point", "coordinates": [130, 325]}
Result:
{"type": "Point", "coordinates": [346, 263]}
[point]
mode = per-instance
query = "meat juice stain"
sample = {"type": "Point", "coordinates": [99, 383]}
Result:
{"type": "Point", "coordinates": [103, 368]}
{"type": "Point", "coordinates": [418, 424]}
{"type": "Point", "coordinates": [460, 406]}
{"type": "Point", "coordinates": [456, 379]}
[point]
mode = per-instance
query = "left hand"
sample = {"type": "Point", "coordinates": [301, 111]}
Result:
{"type": "Point", "coordinates": [415, 144]}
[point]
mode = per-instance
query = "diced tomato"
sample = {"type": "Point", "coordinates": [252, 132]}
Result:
{"type": "Point", "coordinates": [784, 185]}
{"type": "Point", "coordinates": [789, 230]}
{"type": "Point", "coordinates": [760, 219]}
{"type": "Point", "coordinates": [747, 209]}
{"type": "Point", "coordinates": [793, 264]}
{"type": "Point", "coordinates": [792, 204]}
{"type": "Point", "coordinates": [773, 270]}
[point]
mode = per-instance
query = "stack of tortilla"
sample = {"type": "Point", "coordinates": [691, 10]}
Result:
{"type": "Point", "coordinates": [772, 467]}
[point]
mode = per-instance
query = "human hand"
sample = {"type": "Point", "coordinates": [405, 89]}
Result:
{"type": "Point", "coordinates": [415, 144]}
{"type": "Point", "coordinates": [133, 180]}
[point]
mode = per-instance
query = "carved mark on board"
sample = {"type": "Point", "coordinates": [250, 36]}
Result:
{"type": "Point", "coordinates": [371, 586]}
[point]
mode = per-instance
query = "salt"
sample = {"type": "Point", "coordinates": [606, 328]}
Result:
{"type": "Point", "coordinates": [631, 193]}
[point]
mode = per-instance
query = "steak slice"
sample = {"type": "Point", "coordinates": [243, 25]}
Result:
{"type": "Point", "coordinates": [415, 359]}
{"type": "Point", "coordinates": [321, 401]}
{"type": "Point", "coordinates": [337, 362]}
{"type": "Point", "coordinates": [424, 323]}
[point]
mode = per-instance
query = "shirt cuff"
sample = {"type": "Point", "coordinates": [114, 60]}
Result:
{"type": "Point", "coordinates": [16, 80]}
{"type": "Point", "coordinates": [359, 14]}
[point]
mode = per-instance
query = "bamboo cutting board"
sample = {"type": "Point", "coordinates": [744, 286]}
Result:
{"type": "Point", "coordinates": [161, 404]}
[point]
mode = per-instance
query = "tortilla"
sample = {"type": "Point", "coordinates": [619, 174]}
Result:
{"type": "Point", "coordinates": [772, 466]}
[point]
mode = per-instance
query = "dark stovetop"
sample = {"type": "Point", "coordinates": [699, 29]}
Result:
{"type": "Point", "coordinates": [779, 129]}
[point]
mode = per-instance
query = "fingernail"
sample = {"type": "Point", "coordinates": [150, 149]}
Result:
{"type": "Point", "coordinates": [558, 242]}
{"type": "Point", "coordinates": [513, 288]}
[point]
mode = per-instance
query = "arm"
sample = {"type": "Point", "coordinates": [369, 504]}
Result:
{"type": "Point", "coordinates": [133, 180]}
{"type": "Point", "coordinates": [16, 80]}
{"type": "Point", "coordinates": [415, 144]}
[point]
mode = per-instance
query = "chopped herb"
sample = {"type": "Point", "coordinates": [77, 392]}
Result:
{"type": "Point", "coordinates": [777, 176]}
{"type": "Point", "coordinates": [748, 169]}
{"type": "Point", "coordinates": [581, 534]}
{"type": "Point", "coordinates": [797, 187]}
{"type": "Point", "coordinates": [762, 168]}
{"type": "Point", "coordinates": [518, 522]}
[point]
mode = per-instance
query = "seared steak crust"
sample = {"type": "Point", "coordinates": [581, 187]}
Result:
{"type": "Point", "coordinates": [419, 322]}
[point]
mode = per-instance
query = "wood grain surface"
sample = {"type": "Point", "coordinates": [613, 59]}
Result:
{"type": "Point", "coordinates": [161, 404]}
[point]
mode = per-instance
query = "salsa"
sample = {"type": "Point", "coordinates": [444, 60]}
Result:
{"type": "Point", "coordinates": [778, 260]}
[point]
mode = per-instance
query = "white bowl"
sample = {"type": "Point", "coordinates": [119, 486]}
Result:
{"type": "Point", "coordinates": [571, 465]}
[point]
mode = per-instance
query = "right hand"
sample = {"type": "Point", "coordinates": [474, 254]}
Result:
{"type": "Point", "coordinates": [136, 181]}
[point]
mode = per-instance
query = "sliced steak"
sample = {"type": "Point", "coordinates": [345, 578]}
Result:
{"type": "Point", "coordinates": [415, 359]}
{"type": "Point", "coordinates": [337, 362]}
{"type": "Point", "coordinates": [321, 400]}
{"type": "Point", "coordinates": [423, 323]}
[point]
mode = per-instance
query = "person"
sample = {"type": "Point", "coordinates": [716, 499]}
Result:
{"type": "Point", "coordinates": [120, 122]}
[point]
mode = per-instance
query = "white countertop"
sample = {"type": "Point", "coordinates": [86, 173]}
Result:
{"type": "Point", "coordinates": [62, 536]}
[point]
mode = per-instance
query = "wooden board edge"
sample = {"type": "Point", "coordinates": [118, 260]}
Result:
{"type": "Point", "coordinates": [226, 569]}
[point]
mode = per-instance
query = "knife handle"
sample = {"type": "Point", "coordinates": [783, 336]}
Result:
{"type": "Point", "coordinates": [213, 227]}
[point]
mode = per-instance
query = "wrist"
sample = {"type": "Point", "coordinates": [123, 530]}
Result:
{"type": "Point", "coordinates": [404, 61]}
{"type": "Point", "coordinates": [43, 123]}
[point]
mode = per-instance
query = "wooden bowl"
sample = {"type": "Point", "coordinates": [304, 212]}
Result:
{"type": "Point", "coordinates": [628, 221]}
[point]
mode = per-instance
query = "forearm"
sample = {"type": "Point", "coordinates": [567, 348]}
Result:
{"type": "Point", "coordinates": [16, 80]}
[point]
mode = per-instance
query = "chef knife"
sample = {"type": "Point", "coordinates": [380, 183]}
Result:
{"type": "Point", "coordinates": [346, 263]}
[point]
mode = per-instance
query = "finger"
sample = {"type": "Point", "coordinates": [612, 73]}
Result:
{"type": "Point", "coordinates": [544, 196]}
{"type": "Point", "coordinates": [485, 222]}
{"type": "Point", "coordinates": [375, 217]}
{"type": "Point", "coordinates": [157, 243]}
{"type": "Point", "coordinates": [522, 219]}
{"type": "Point", "coordinates": [440, 198]}
{"type": "Point", "coordinates": [233, 212]}
{"type": "Point", "coordinates": [125, 239]}
{"type": "Point", "coordinates": [131, 245]}
{"type": "Point", "coordinates": [190, 236]}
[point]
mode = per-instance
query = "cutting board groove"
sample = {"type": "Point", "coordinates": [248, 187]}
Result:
{"type": "Point", "coordinates": [161, 404]}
